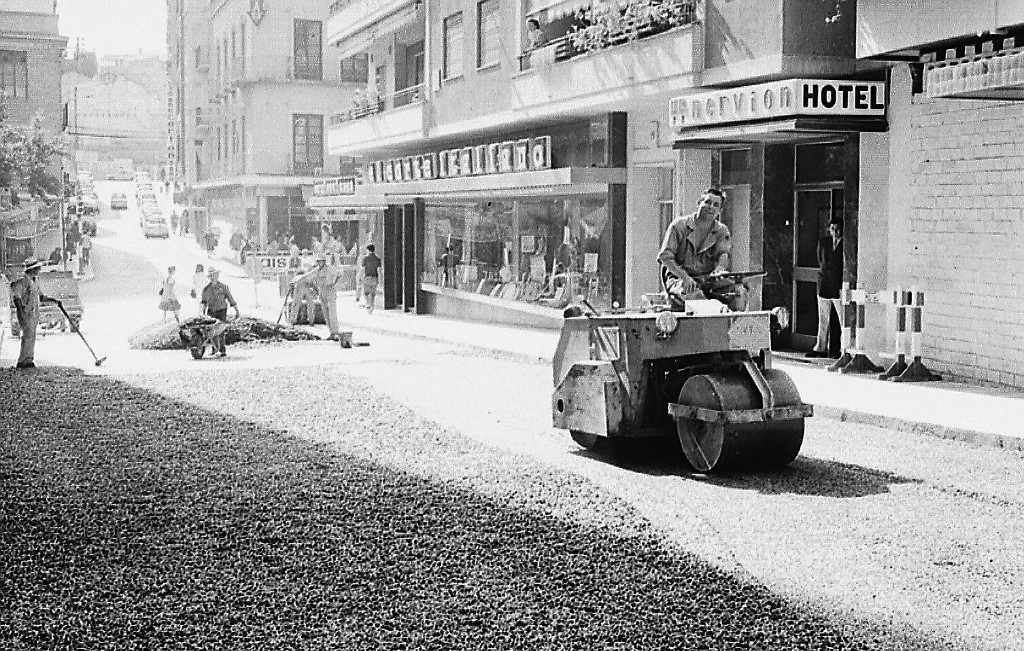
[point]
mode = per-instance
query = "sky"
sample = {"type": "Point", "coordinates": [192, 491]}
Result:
{"type": "Point", "coordinates": [115, 26]}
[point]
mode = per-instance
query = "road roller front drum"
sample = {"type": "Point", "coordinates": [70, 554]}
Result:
{"type": "Point", "coordinates": [739, 419]}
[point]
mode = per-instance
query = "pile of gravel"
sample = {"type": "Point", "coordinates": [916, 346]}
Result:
{"type": "Point", "coordinates": [165, 335]}
{"type": "Point", "coordinates": [129, 520]}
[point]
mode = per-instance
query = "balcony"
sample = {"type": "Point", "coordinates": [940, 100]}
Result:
{"type": "Point", "coordinates": [364, 20]}
{"type": "Point", "coordinates": [609, 61]}
{"type": "Point", "coordinates": [379, 121]}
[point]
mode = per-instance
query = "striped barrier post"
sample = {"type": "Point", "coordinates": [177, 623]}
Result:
{"type": "Point", "coordinates": [901, 299]}
{"type": "Point", "coordinates": [860, 362]}
{"type": "Point", "coordinates": [916, 371]}
{"type": "Point", "coordinates": [849, 330]}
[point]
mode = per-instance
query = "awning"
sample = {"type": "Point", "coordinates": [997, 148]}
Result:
{"type": "Point", "coordinates": [798, 129]}
{"type": "Point", "coordinates": [562, 181]}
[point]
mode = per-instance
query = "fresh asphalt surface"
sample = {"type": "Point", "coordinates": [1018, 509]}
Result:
{"type": "Point", "coordinates": [883, 531]}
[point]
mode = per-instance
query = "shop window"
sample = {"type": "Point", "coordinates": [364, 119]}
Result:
{"type": "Point", "coordinates": [488, 35]}
{"type": "Point", "coordinates": [820, 163]}
{"type": "Point", "coordinates": [545, 252]}
{"type": "Point", "coordinates": [355, 69]}
{"type": "Point", "coordinates": [307, 143]}
{"type": "Point", "coordinates": [735, 167]}
{"type": "Point", "coordinates": [14, 73]}
{"type": "Point", "coordinates": [308, 46]}
{"type": "Point", "coordinates": [453, 43]}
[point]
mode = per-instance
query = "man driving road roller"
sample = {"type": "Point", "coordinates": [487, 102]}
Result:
{"type": "Point", "coordinates": [695, 253]}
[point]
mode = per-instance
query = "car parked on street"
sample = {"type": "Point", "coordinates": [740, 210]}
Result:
{"type": "Point", "coordinates": [155, 226]}
{"type": "Point", "coordinates": [119, 201]}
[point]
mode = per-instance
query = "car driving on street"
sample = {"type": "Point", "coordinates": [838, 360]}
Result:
{"type": "Point", "coordinates": [119, 201]}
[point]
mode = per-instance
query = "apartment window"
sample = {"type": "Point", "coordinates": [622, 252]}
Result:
{"type": "Point", "coordinates": [199, 116]}
{"type": "Point", "coordinates": [14, 73]}
{"type": "Point", "coordinates": [355, 69]}
{"type": "Point", "coordinates": [307, 142]}
{"type": "Point", "coordinates": [234, 137]}
{"type": "Point", "coordinates": [487, 34]}
{"type": "Point", "coordinates": [453, 46]}
{"type": "Point", "coordinates": [241, 134]}
{"type": "Point", "coordinates": [414, 65]}
{"type": "Point", "coordinates": [308, 48]}
{"type": "Point", "coordinates": [199, 56]}
{"type": "Point", "coordinates": [218, 143]}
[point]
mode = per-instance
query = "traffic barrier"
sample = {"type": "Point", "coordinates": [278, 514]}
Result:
{"type": "Point", "coordinates": [909, 338]}
{"type": "Point", "coordinates": [854, 359]}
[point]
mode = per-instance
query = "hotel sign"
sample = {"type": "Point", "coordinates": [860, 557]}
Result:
{"type": "Point", "coordinates": [496, 158]}
{"type": "Point", "coordinates": [779, 99]}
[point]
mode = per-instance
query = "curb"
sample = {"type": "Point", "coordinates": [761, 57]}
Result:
{"type": "Point", "coordinates": [962, 435]}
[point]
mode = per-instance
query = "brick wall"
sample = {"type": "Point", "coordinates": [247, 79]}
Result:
{"type": "Point", "coordinates": [966, 234]}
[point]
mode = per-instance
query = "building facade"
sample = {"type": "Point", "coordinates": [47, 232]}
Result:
{"type": "Point", "coordinates": [112, 116]}
{"type": "Point", "coordinates": [31, 52]}
{"type": "Point", "coordinates": [251, 94]}
{"type": "Point", "coordinates": [947, 206]}
{"type": "Point", "coordinates": [572, 151]}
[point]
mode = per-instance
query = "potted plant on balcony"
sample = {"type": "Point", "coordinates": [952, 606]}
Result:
{"type": "Point", "coordinates": [607, 25]}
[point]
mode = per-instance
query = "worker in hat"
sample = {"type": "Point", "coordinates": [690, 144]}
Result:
{"type": "Point", "coordinates": [322, 281]}
{"type": "Point", "coordinates": [27, 297]}
{"type": "Point", "coordinates": [215, 300]}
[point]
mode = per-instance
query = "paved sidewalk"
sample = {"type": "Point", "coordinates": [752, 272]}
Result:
{"type": "Point", "coordinates": [979, 415]}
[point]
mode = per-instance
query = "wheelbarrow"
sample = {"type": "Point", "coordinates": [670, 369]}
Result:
{"type": "Point", "coordinates": [199, 333]}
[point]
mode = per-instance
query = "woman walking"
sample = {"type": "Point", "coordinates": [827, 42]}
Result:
{"type": "Point", "coordinates": [199, 282]}
{"type": "Point", "coordinates": [169, 296]}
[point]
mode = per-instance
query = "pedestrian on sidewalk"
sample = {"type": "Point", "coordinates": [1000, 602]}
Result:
{"type": "Point", "coordinates": [174, 222]}
{"type": "Point", "coordinates": [371, 275]}
{"type": "Point", "coordinates": [27, 297]}
{"type": "Point", "coordinates": [169, 296]}
{"type": "Point", "coordinates": [86, 259]}
{"type": "Point", "coordinates": [199, 282]}
{"type": "Point", "coordinates": [210, 243]}
{"type": "Point", "coordinates": [830, 280]}
{"type": "Point", "coordinates": [216, 298]}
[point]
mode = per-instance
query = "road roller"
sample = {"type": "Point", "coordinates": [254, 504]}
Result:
{"type": "Point", "coordinates": [703, 375]}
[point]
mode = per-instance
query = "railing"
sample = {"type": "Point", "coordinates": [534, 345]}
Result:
{"type": "Point", "coordinates": [635, 21]}
{"type": "Point", "coordinates": [371, 105]}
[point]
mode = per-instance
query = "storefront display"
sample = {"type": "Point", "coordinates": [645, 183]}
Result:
{"type": "Point", "coordinates": [546, 252]}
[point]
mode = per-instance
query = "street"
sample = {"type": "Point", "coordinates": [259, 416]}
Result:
{"type": "Point", "coordinates": [883, 539]}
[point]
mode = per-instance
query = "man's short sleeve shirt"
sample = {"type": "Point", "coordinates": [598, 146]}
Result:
{"type": "Point", "coordinates": [694, 254]}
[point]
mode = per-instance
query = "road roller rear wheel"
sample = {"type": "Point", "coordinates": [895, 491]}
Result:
{"type": "Point", "coordinates": [587, 441]}
{"type": "Point", "coordinates": [717, 447]}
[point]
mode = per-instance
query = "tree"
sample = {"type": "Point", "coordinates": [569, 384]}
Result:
{"type": "Point", "coordinates": [29, 156]}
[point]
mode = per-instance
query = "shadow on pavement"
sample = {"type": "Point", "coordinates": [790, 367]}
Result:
{"type": "Point", "coordinates": [131, 520]}
{"type": "Point", "coordinates": [804, 476]}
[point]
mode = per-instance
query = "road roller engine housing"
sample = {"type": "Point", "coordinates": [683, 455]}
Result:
{"type": "Point", "coordinates": [703, 375]}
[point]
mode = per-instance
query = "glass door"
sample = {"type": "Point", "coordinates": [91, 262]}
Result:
{"type": "Point", "coordinates": [814, 207]}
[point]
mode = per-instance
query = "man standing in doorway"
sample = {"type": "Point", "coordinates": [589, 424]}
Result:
{"type": "Point", "coordinates": [27, 297]}
{"type": "Point", "coordinates": [371, 276]}
{"type": "Point", "coordinates": [830, 280]}
{"type": "Point", "coordinates": [695, 253]}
